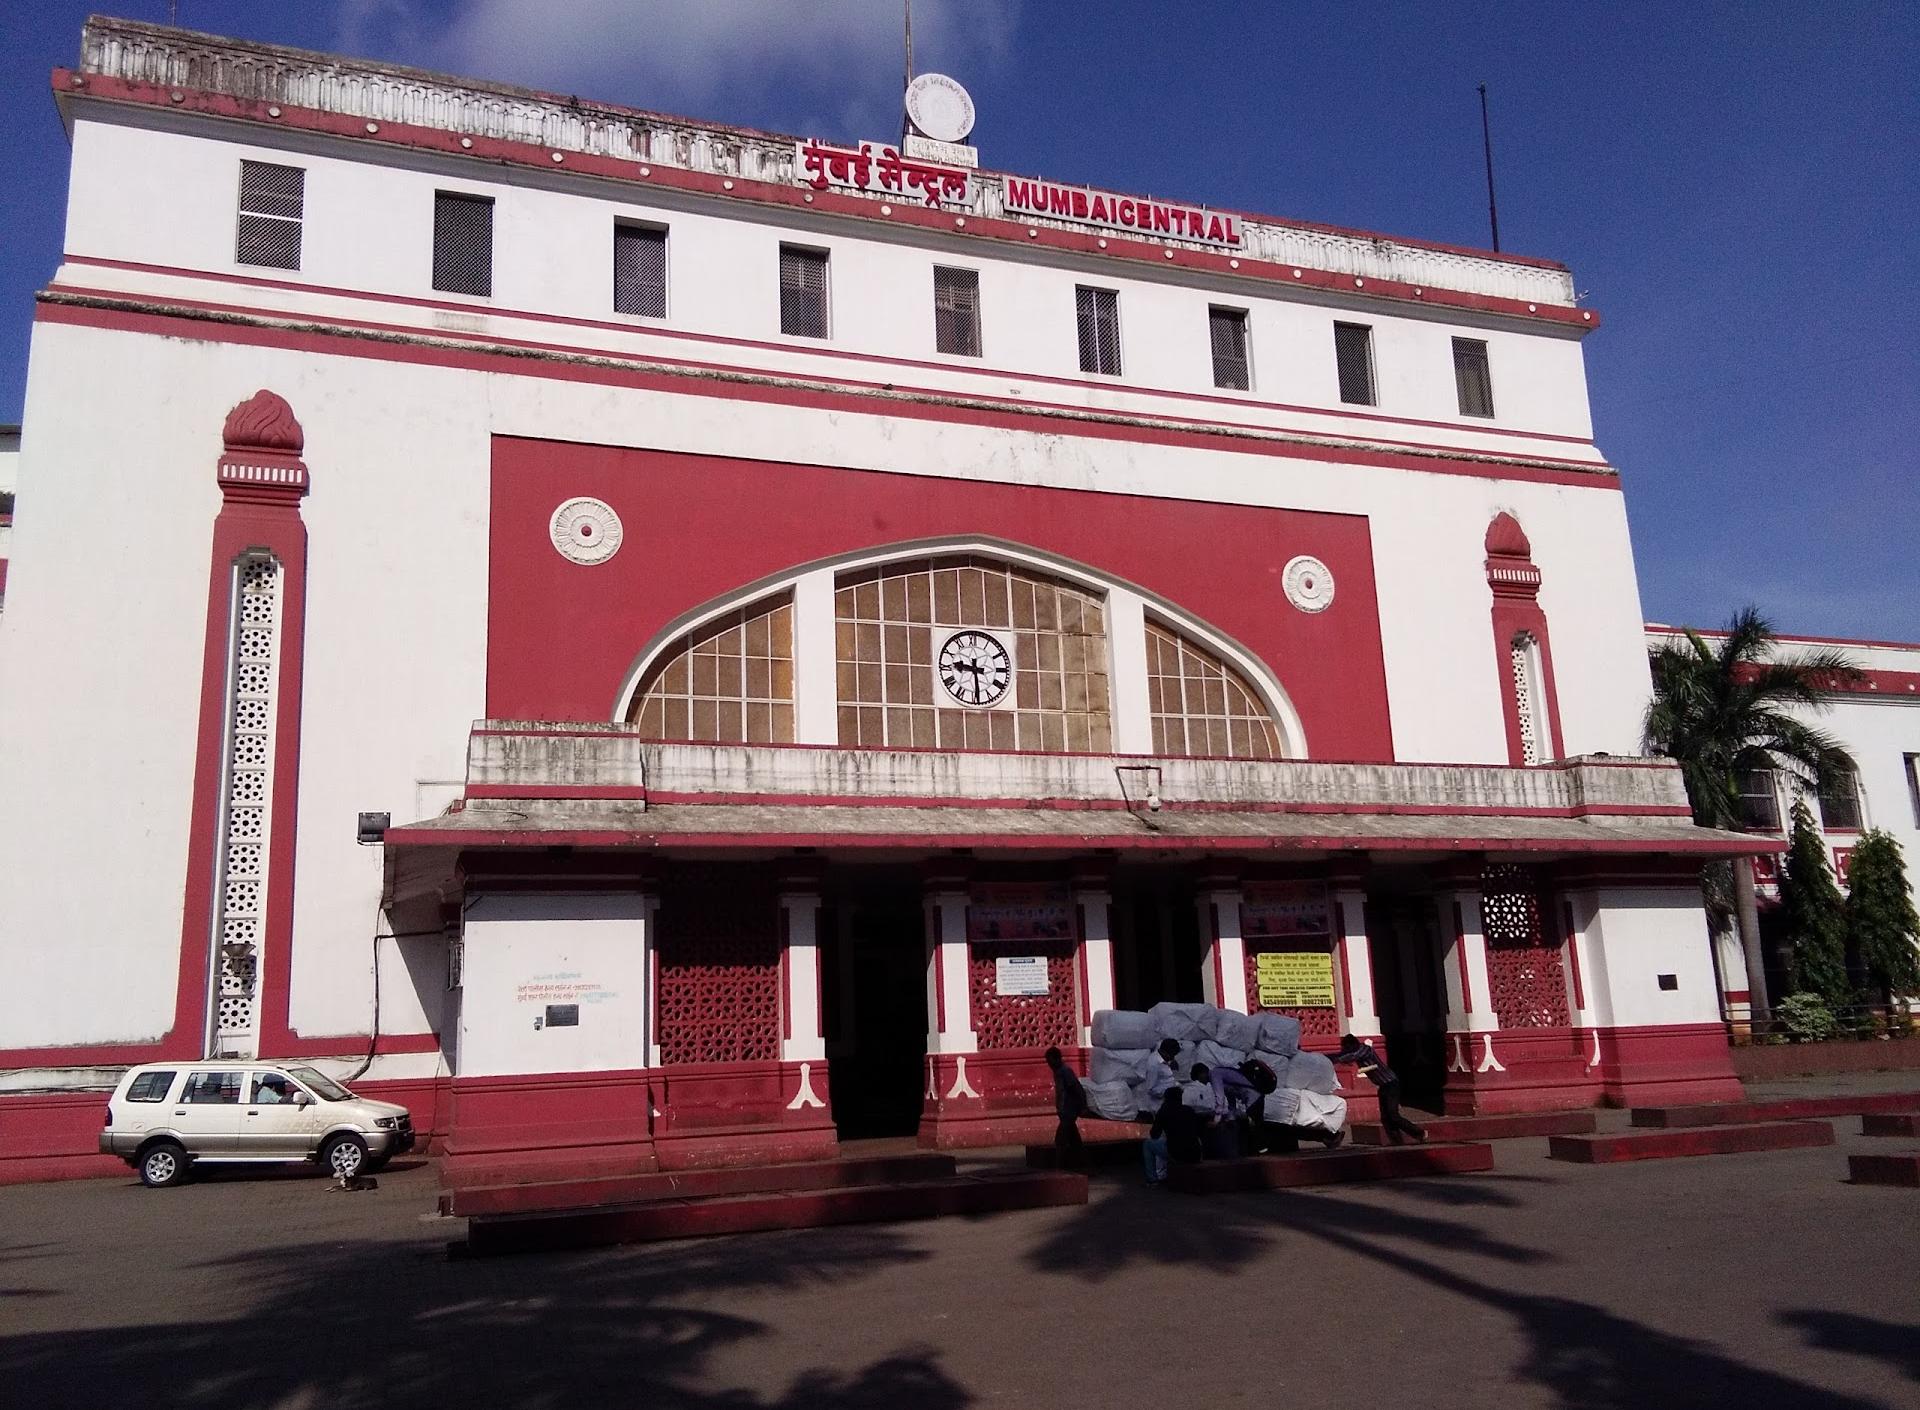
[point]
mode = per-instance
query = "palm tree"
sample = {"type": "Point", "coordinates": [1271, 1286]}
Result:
{"type": "Point", "coordinates": [1722, 713]}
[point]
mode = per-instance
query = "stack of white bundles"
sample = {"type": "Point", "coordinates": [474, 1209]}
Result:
{"type": "Point", "coordinates": [1282, 1105]}
{"type": "Point", "coordinates": [1185, 1023]}
{"type": "Point", "coordinates": [1217, 1054]}
{"type": "Point", "coordinates": [1124, 1028]}
{"type": "Point", "coordinates": [1318, 1112]}
{"type": "Point", "coordinates": [1117, 1064]}
{"type": "Point", "coordinates": [1233, 1030]}
{"type": "Point", "coordinates": [1311, 1072]}
{"type": "Point", "coordinates": [1279, 1037]}
{"type": "Point", "coordinates": [1112, 1100]}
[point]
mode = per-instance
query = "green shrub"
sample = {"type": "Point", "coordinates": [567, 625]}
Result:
{"type": "Point", "coordinates": [1806, 1018]}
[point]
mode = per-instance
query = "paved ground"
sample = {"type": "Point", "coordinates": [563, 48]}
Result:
{"type": "Point", "coordinates": [1759, 1280]}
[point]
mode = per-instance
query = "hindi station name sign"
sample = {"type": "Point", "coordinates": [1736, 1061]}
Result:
{"type": "Point", "coordinates": [881, 170]}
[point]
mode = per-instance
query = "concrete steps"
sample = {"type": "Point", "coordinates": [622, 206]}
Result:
{"type": "Point", "coordinates": [1689, 1141]}
{"type": "Point", "coordinates": [1890, 1123]}
{"type": "Point", "coordinates": [1335, 1167]}
{"type": "Point", "coordinates": [1791, 1109]}
{"type": "Point", "coordinates": [1484, 1128]}
{"type": "Point", "coordinates": [540, 1196]}
{"type": "Point", "coordinates": [1900, 1170]}
{"type": "Point", "coordinates": [986, 1193]}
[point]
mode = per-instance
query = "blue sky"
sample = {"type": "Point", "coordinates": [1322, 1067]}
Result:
{"type": "Point", "coordinates": [1735, 187]}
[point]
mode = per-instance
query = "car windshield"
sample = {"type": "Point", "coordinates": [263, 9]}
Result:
{"type": "Point", "coordinates": [325, 1086]}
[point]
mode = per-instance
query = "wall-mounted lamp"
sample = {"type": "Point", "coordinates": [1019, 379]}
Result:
{"type": "Point", "coordinates": [373, 828]}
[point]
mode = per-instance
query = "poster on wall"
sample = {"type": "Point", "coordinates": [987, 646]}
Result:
{"type": "Point", "coordinates": [1295, 979]}
{"type": "Point", "coordinates": [1285, 909]}
{"type": "Point", "coordinates": [1022, 975]}
{"type": "Point", "coordinates": [1018, 910]}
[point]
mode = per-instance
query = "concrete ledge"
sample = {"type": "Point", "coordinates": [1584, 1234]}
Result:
{"type": "Point", "coordinates": [1762, 1061]}
{"type": "Point", "coordinates": [1337, 1167]}
{"type": "Point", "coordinates": [1485, 1128]}
{"type": "Point", "coordinates": [1689, 1141]}
{"type": "Point", "coordinates": [1900, 1170]}
{"type": "Point", "coordinates": [531, 1198]}
{"type": "Point", "coordinates": [1791, 1109]}
{"type": "Point", "coordinates": [1890, 1123]}
{"type": "Point", "coordinates": [787, 1209]}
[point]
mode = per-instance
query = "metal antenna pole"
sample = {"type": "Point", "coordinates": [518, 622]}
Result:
{"type": "Point", "coordinates": [909, 82]}
{"type": "Point", "coordinates": [1486, 140]}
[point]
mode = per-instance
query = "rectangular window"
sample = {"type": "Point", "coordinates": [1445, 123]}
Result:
{"type": "Point", "coordinates": [640, 271]}
{"type": "Point", "coordinates": [1227, 331]}
{"type": "Point", "coordinates": [218, 1088]}
{"type": "Point", "coordinates": [1471, 377]}
{"type": "Point", "coordinates": [1759, 801]}
{"type": "Point", "coordinates": [150, 1087]}
{"type": "Point", "coordinates": [956, 311]}
{"type": "Point", "coordinates": [1099, 312]}
{"type": "Point", "coordinates": [1913, 785]}
{"type": "Point", "coordinates": [1840, 803]}
{"type": "Point", "coordinates": [272, 199]}
{"type": "Point", "coordinates": [462, 243]}
{"type": "Point", "coordinates": [803, 292]}
{"type": "Point", "coordinates": [1353, 353]}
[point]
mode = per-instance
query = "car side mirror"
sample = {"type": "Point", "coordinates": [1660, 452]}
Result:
{"type": "Point", "coordinates": [302, 1099]}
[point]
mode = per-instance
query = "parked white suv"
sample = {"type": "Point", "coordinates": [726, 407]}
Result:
{"type": "Point", "coordinates": [165, 1117]}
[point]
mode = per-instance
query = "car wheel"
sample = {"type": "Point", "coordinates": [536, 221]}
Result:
{"type": "Point", "coordinates": [344, 1155]}
{"type": "Point", "coordinates": [162, 1164]}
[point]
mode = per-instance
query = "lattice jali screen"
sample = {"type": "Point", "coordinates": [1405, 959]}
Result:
{"type": "Point", "coordinates": [1525, 698]}
{"type": "Point", "coordinates": [1524, 969]}
{"type": "Point", "coordinates": [730, 681]}
{"type": "Point", "coordinates": [890, 623]}
{"type": "Point", "coordinates": [717, 997]}
{"type": "Point", "coordinates": [1003, 1021]}
{"type": "Point", "coordinates": [1314, 1022]}
{"type": "Point", "coordinates": [1202, 707]}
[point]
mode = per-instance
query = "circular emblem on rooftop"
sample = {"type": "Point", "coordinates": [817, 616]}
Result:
{"type": "Point", "coordinates": [1308, 583]}
{"type": "Point", "coordinates": [586, 530]}
{"type": "Point", "coordinates": [939, 108]}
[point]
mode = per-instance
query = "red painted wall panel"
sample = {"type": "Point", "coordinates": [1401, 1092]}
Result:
{"type": "Point", "coordinates": [561, 637]}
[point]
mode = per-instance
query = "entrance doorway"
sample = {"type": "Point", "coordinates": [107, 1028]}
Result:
{"type": "Point", "coordinates": [1404, 947]}
{"type": "Point", "coordinates": [1156, 941]}
{"type": "Point", "coordinates": [874, 977]}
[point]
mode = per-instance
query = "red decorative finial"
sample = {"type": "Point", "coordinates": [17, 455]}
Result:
{"type": "Point", "coordinates": [1507, 538]}
{"type": "Point", "coordinates": [264, 422]}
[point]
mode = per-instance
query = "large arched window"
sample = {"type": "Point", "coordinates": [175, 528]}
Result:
{"type": "Point", "coordinates": [1202, 707]}
{"type": "Point", "coordinates": [728, 681]}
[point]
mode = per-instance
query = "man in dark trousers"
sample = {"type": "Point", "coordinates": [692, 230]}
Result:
{"type": "Point", "coordinates": [1069, 1101]}
{"type": "Point", "coordinates": [1385, 1080]}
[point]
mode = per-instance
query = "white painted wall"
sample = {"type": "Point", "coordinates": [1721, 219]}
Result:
{"type": "Point", "coordinates": [524, 952]}
{"type": "Point", "coordinates": [1629, 936]}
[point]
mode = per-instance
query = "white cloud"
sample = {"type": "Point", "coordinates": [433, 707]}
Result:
{"type": "Point", "coordinates": [676, 55]}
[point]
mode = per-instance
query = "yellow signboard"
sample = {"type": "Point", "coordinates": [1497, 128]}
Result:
{"type": "Point", "coordinates": [1295, 979]}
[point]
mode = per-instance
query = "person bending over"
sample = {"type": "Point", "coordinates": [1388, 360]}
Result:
{"type": "Point", "coordinates": [1386, 1083]}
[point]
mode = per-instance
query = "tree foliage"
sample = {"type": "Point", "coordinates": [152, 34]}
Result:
{"type": "Point", "coordinates": [1816, 913]}
{"type": "Point", "coordinates": [1883, 930]}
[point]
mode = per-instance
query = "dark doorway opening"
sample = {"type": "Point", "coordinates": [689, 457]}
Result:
{"type": "Point", "coordinates": [874, 981]}
{"type": "Point", "coordinates": [1404, 946]}
{"type": "Point", "coordinates": [1156, 941]}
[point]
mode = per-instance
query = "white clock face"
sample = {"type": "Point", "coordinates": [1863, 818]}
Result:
{"type": "Point", "coordinates": [975, 668]}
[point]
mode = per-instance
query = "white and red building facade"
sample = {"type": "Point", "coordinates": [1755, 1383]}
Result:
{"type": "Point", "coordinates": [818, 627]}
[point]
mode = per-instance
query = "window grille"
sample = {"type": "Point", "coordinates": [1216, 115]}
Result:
{"type": "Point", "coordinates": [640, 271]}
{"type": "Point", "coordinates": [1227, 331]}
{"type": "Point", "coordinates": [462, 244]}
{"type": "Point", "coordinates": [1526, 697]}
{"type": "Point", "coordinates": [956, 311]}
{"type": "Point", "coordinates": [1913, 785]}
{"type": "Point", "coordinates": [1472, 377]}
{"type": "Point", "coordinates": [1099, 315]}
{"type": "Point", "coordinates": [1353, 354]}
{"type": "Point", "coordinates": [1759, 802]}
{"type": "Point", "coordinates": [1840, 802]}
{"type": "Point", "coordinates": [272, 199]}
{"type": "Point", "coordinates": [1200, 705]}
{"type": "Point", "coordinates": [803, 292]}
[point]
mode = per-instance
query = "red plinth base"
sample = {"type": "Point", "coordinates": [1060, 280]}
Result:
{"type": "Point", "coordinates": [1891, 1123]}
{"type": "Point", "coordinates": [1688, 1141]}
{"type": "Point", "coordinates": [1485, 1128]}
{"type": "Point", "coordinates": [740, 1214]}
{"type": "Point", "coordinates": [693, 1184]}
{"type": "Point", "coordinates": [1336, 1167]}
{"type": "Point", "coordinates": [1902, 1170]}
{"type": "Point", "coordinates": [1792, 1109]}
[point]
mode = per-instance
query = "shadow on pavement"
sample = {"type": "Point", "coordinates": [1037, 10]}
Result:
{"type": "Point", "coordinates": [1891, 1342]}
{"type": "Point", "coordinates": [327, 1324]}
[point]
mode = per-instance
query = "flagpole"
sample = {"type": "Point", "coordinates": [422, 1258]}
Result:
{"type": "Point", "coordinates": [1486, 140]}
